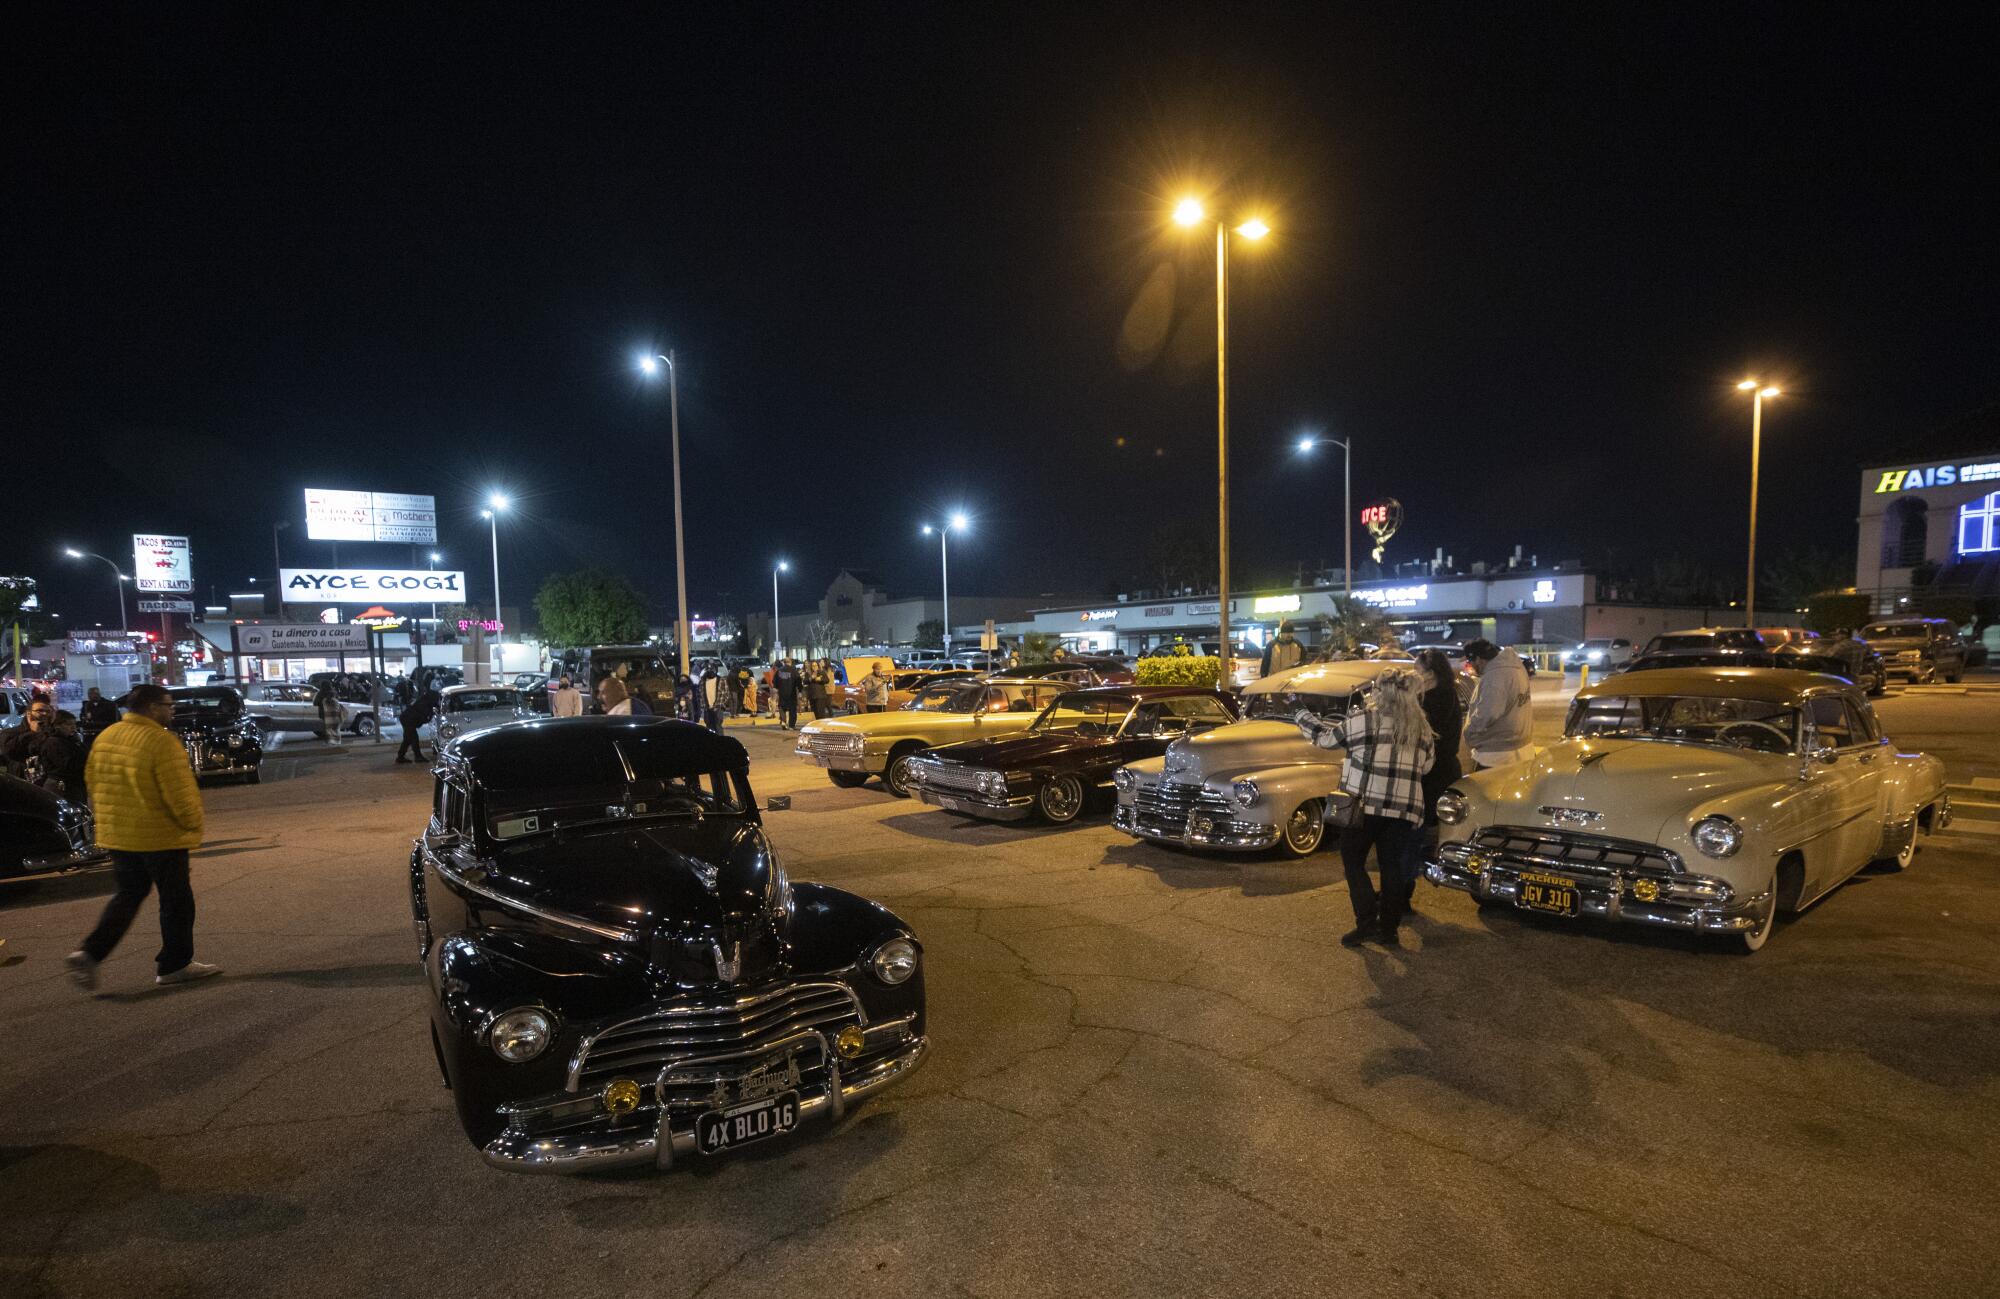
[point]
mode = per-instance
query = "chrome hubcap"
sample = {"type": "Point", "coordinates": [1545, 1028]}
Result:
{"type": "Point", "coordinates": [1061, 797]}
{"type": "Point", "coordinates": [1303, 830]}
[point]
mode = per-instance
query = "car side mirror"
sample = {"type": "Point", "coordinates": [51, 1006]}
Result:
{"type": "Point", "coordinates": [1826, 755]}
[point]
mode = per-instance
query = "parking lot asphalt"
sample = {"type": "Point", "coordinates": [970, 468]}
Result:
{"type": "Point", "coordinates": [1153, 1074]}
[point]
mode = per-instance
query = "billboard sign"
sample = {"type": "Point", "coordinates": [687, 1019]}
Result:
{"type": "Point", "coordinates": [370, 516]}
{"type": "Point", "coordinates": [166, 606]}
{"type": "Point", "coordinates": [308, 638]}
{"type": "Point", "coordinates": [370, 585]}
{"type": "Point", "coordinates": [161, 564]}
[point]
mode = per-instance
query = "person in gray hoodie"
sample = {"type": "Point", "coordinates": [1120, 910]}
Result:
{"type": "Point", "coordinates": [1500, 725]}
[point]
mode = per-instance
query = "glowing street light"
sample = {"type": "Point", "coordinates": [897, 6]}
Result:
{"type": "Point", "coordinates": [117, 572]}
{"type": "Point", "coordinates": [957, 522]}
{"type": "Point", "coordinates": [1758, 391]}
{"type": "Point", "coordinates": [496, 505]}
{"type": "Point", "coordinates": [1305, 448]}
{"type": "Point", "coordinates": [649, 365]}
{"type": "Point", "coordinates": [782, 566]}
{"type": "Point", "coordinates": [1190, 212]}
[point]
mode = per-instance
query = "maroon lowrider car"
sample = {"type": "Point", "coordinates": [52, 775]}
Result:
{"type": "Point", "coordinates": [1051, 769]}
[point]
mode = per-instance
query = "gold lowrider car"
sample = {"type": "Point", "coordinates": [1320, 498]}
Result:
{"type": "Point", "coordinates": [1705, 799]}
{"type": "Point", "coordinates": [852, 749]}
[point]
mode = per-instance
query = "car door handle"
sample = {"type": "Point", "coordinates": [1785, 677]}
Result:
{"type": "Point", "coordinates": [1867, 757]}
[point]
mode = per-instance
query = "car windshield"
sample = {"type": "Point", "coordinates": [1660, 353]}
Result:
{"type": "Point", "coordinates": [1892, 630]}
{"type": "Point", "coordinates": [1597, 644]}
{"type": "Point", "coordinates": [1282, 705]}
{"type": "Point", "coordinates": [1697, 719]}
{"type": "Point", "coordinates": [1084, 714]}
{"type": "Point", "coordinates": [215, 705]}
{"type": "Point", "coordinates": [473, 701]}
{"type": "Point", "coordinates": [948, 697]}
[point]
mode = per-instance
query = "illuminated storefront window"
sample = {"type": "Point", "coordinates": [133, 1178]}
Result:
{"type": "Point", "coordinates": [1979, 526]}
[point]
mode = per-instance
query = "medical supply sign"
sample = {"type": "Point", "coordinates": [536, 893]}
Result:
{"type": "Point", "coordinates": [370, 516]}
{"type": "Point", "coordinates": [161, 564]}
{"type": "Point", "coordinates": [370, 585]}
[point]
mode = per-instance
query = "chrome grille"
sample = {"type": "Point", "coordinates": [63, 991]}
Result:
{"type": "Point", "coordinates": [1166, 805]}
{"type": "Point", "coordinates": [710, 1024]}
{"type": "Point", "coordinates": [842, 742]}
{"type": "Point", "coordinates": [954, 776]}
{"type": "Point", "coordinates": [1593, 854]}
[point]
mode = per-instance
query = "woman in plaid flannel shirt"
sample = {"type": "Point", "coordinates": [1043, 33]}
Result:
{"type": "Point", "coordinates": [1389, 747]}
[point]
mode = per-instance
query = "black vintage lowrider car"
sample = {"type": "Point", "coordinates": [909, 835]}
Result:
{"type": "Point", "coordinates": [1052, 768]}
{"type": "Point", "coordinates": [619, 970]}
{"type": "Point", "coordinates": [221, 737]}
{"type": "Point", "coordinates": [42, 833]}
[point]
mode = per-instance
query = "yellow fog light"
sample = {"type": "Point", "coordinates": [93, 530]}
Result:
{"type": "Point", "coordinates": [1645, 890]}
{"type": "Point", "coordinates": [621, 1096]}
{"type": "Point", "coordinates": [1475, 862]}
{"type": "Point", "coordinates": [850, 1041]}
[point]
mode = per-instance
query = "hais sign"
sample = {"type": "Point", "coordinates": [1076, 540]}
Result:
{"type": "Point", "coordinates": [1904, 480]}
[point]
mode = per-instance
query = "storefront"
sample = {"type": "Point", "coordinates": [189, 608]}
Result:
{"type": "Point", "coordinates": [1940, 516]}
{"type": "Point", "coordinates": [1513, 608]}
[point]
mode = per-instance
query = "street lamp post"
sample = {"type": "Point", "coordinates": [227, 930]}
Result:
{"type": "Point", "coordinates": [496, 505]}
{"type": "Point", "coordinates": [650, 365]}
{"type": "Point", "coordinates": [959, 522]}
{"type": "Point", "coordinates": [1306, 444]}
{"type": "Point", "coordinates": [780, 567]}
{"type": "Point", "coordinates": [1758, 392]}
{"type": "Point", "coordinates": [1189, 212]}
{"type": "Point", "coordinates": [431, 567]}
{"type": "Point", "coordinates": [117, 572]}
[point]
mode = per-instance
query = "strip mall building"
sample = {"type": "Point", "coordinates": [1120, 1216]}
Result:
{"type": "Point", "coordinates": [1941, 516]}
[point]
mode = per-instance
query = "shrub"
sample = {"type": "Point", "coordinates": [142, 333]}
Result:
{"type": "Point", "coordinates": [1836, 609]}
{"type": "Point", "coordinates": [1177, 670]}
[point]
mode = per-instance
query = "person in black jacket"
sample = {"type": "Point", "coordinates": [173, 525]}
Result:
{"type": "Point", "coordinates": [38, 750]}
{"type": "Point", "coordinates": [1447, 718]}
{"type": "Point", "coordinates": [413, 719]}
{"type": "Point", "coordinates": [98, 713]}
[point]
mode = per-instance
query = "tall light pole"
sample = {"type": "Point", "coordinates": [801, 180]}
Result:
{"type": "Point", "coordinates": [959, 522]}
{"type": "Point", "coordinates": [431, 567]}
{"type": "Point", "coordinates": [116, 571]}
{"type": "Point", "coordinates": [781, 566]}
{"type": "Point", "coordinates": [496, 505]}
{"type": "Point", "coordinates": [1189, 212]}
{"type": "Point", "coordinates": [1758, 392]}
{"type": "Point", "coordinates": [650, 366]}
{"type": "Point", "coordinates": [1306, 445]}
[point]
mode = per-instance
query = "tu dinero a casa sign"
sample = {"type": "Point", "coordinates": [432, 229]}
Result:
{"type": "Point", "coordinates": [369, 585]}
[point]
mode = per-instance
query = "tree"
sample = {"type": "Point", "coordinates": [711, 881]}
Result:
{"type": "Point", "coordinates": [590, 607]}
{"type": "Point", "coordinates": [822, 637]}
{"type": "Point", "coordinates": [1794, 577]}
{"type": "Point", "coordinates": [450, 615]}
{"type": "Point", "coordinates": [1352, 624]}
{"type": "Point", "coordinates": [1039, 647]}
{"type": "Point", "coordinates": [930, 634]}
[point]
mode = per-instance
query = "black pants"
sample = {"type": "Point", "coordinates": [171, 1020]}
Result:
{"type": "Point", "coordinates": [412, 743]}
{"type": "Point", "coordinates": [138, 874]}
{"type": "Point", "coordinates": [1389, 837]}
{"type": "Point", "coordinates": [788, 711]}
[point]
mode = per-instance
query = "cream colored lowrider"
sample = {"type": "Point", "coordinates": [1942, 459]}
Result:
{"type": "Point", "coordinates": [1256, 784]}
{"type": "Point", "coordinates": [852, 749]}
{"type": "Point", "coordinates": [1706, 799]}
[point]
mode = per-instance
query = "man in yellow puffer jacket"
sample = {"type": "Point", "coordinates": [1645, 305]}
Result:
{"type": "Point", "coordinates": [148, 814]}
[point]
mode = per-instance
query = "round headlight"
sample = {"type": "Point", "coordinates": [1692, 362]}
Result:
{"type": "Point", "coordinates": [520, 1035]}
{"type": "Point", "coordinates": [894, 961]}
{"type": "Point", "coordinates": [992, 782]}
{"type": "Point", "coordinates": [1717, 836]}
{"type": "Point", "coordinates": [1453, 807]}
{"type": "Point", "coordinates": [1124, 780]}
{"type": "Point", "coordinates": [1245, 791]}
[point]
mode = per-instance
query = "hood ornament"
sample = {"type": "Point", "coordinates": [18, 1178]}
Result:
{"type": "Point", "coordinates": [1570, 815]}
{"type": "Point", "coordinates": [729, 966]}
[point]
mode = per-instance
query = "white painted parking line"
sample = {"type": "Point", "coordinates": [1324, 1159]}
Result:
{"type": "Point", "coordinates": [1985, 828]}
{"type": "Point", "coordinates": [1957, 803]}
{"type": "Point", "coordinates": [1988, 783]}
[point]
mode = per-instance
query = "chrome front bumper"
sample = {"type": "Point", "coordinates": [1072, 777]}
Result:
{"type": "Point", "coordinates": [990, 806]}
{"type": "Point", "coordinates": [1689, 902]}
{"type": "Point", "coordinates": [652, 1141]}
{"type": "Point", "coordinates": [1222, 835]}
{"type": "Point", "coordinates": [834, 761]}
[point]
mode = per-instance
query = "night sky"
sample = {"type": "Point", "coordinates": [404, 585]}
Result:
{"type": "Point", "coordinates": [913, 259]}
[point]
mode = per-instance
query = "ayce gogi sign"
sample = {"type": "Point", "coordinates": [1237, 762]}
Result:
{"type": "Point", "coordinates": [369, 585]}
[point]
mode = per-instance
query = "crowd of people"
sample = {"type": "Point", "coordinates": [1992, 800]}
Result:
{"type": "Point", "coordinates": [717, 691]}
